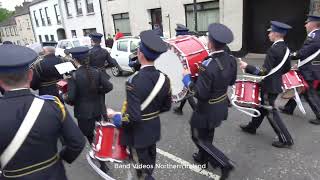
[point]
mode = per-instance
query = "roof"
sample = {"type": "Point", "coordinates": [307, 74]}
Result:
{"type": "Point", "coordinates": [8, 22]}
{"type": "Point", "coordinates": [36, 2]}
{"type": "Point", "coordinates": [22, 10]}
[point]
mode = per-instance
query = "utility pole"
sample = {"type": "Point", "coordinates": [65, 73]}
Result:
{"type": "Point", "coordinates": [195, 15]}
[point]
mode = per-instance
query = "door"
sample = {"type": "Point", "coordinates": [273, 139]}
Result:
{"type": "Point", "coordinates": [122, 54]}
{"type": "Point", "coordinates": [257, 17]}
{"type": "Point", "coordinates": [156, 20]}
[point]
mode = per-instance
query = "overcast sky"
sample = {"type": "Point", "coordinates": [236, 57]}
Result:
{"type": "Point", "coordinates": [10, 4]}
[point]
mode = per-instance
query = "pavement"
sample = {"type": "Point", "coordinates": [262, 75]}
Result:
{"type": "Point", "coordinates": [253, 155]}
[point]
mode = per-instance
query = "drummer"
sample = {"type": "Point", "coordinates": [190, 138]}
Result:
{"type": "Point", "coordinates": [309, 71]}
{"type": "Point", "coordinates": [141, 128]}
{"type": "Point", "coordinates": [85, 88]}
{"type": "Point", "coordinates": [271, 86]}
{"type": "Point", "coordinates": [182, 30]}
{"type": "Point", "coordinates": [217, 72]}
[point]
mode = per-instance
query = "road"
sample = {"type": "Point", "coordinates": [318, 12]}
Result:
{"type": "Point", "coordinates": [253, 155]}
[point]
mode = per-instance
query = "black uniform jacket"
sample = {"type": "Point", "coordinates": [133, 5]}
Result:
{"type": "Point", "coordinates": [275, 54]}
{"type": "Point", "coordinates": [41, 144]}
{"type": "Point", "coordinates": [45, 75]}
{"type": "Point", "coordinates": [86, 88]}
{"type": "Point", "coordinates": [216, 73]}
{"type": "Point", "coordinates": [98, 57]}
{"type": "Point", "coordinates": [311, 70]}
{"type": "Point", "coordinates": [142, 128]}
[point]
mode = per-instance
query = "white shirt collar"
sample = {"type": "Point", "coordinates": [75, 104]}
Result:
{"type": "Point", "coordinates": [309, 35]}
{"type": "Point", "coordinates": [216, 52]}
{"type": "Point", "coordinates": [280, 40]}
{"type": "Point", "coordinates": [143, 66]}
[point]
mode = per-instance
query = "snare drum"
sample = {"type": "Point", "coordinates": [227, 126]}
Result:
{"type": "Point", "coordinates": [247, 94]}
{"type": "Point", "coordinates": [107, 145]}
{"type": "Point", "coordinates": [291, 81]}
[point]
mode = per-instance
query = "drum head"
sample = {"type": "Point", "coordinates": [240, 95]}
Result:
{"type": "Point", "coordinates": [170, 64]}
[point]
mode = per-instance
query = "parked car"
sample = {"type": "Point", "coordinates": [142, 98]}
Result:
{"type": "Point", "coordinates": [121, 50]}
{"type": "Point", "coordinates": [71, 43]}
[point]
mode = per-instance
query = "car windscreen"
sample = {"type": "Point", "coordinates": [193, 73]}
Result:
{"type": "Point", "coordinates": [76, 43]}
{"type": "Point", "coordinates": [134, 45]}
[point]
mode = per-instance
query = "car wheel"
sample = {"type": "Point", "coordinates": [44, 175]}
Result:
{"type": "Point", "coordinates": [116, 71]}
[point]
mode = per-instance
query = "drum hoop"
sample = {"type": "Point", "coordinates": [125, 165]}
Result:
{"type": "Point", "coordinates": [245, 80]}
{"type": "Point", "coordinates": [104, 124]}
{"type": "Point", "coordinates": [244, 102]}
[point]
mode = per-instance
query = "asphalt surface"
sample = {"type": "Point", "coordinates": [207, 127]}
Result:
{"type": "Point", "coordinates": [253, 155]}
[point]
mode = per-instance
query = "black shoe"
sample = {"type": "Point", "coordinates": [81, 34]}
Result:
{"type": "Point", "coordinates": [279, 144]}
{"type": "Point", "coordinates": [198, 159]}
{"type": "Point", "coordinates": [315, 121]}
{"type": "Point", "coordinates": [225, 172]}
{"type": "Point", "coordinates": [178, 111]}
{"type": "Point", "coordinates": [247, 129]}
{"type": "Point", "coordinates": [284, 110]}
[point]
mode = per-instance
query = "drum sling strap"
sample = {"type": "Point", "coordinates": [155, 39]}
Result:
{"type": "Point", "coordinates": [279, 66]}
{"type": "Point", "coordinates": [308, 59]}
{"type": "Point", "coordinates": [154, 92]}
{"type": "Point", "coordinates": [22, 132]}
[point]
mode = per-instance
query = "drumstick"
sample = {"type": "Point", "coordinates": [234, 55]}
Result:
{"type": "Point", "coordinates": [240, 59]}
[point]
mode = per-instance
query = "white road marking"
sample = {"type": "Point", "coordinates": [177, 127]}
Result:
{"type": "Point", "coordinates": [188, 165]}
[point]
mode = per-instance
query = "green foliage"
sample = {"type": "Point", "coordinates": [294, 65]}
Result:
{"type": "Point", "coordinates": [4, 14]}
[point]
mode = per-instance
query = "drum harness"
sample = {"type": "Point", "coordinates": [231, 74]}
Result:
{"type": "Point", "coordinates": [251, 111]}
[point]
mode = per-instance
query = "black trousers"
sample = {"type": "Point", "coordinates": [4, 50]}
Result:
{"type": "Point", "coordinates": [273, 117]}
{"type": "Point", "coordinates": [87, 127]}
{"type": "Point", "coordinates": [311, 96]}
{"type": "Point", "coordinates": [145, 157]}
{"type": "Point", "coordinates": [203, 139]}
{"type": "Point", "coordinates": [190, 100]}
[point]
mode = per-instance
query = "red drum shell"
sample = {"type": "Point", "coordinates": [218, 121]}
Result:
{"type": "Point", "coordinates": [62, 86]}
{"type": "Point", "coordinates": [107, 145]}
{"type": "Point", "coordinates": [290, 81]}
{"type": "Point", "coordinates": [247, 94]}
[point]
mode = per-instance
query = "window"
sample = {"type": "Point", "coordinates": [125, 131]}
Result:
{"type": "Point", "coordinates": [76, 43]}
{"type": "Point", "coordinates": [52, 38]}
{"type": "Point", "coordinates": [133, 46]}
{"type": "Point", "coordinates": [8, 32]}
{"type": "Point", "coordinates": [73, 33]}
{"type": "Point", "coordinates": [15, 30]}
{"type": "Point", "coordinates": [57, 12]}
{"type": "Point", "coordinates": [12, 31]}
{"type": "Point", "coordinates": [48, 18]}
{"type": "Point", "coordinates": [40, 39]}
{"type": "Point", "coordinates": [89, 4]}
{"type": "Point", "coordinates": [78, 7]}
{"type": "Point", "coordinates": [207, 13]}
{"type": "Point", "coordinates": [28, 24]}
{"type": "Point", "coordinates": [122, 22]}
{"type": "Point", "coordinates": [46, 37]}
{"type": "Point", "coordinates": [86, 32]}
{"type": "Point", "coordinates": [42, 19]}
{"type": "Point", "coordinates": [122, 46]}
{"type": "Point", "coordinates": [67, 4]}
{"type": "Point", "coordinates": [35, 18]}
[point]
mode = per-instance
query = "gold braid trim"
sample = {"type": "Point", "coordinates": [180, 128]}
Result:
{"type": "Point", "coordinates": [61, 107]}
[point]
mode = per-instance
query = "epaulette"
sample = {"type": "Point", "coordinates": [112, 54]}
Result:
{"type": "Point", "coordinates": [206, 62]}
{"type": "Point", "coordinates": [57, 101]}
{"type": "Point", "coordinates": [129, 80]}
{"type": "Point", "coordinates": [219, 64]}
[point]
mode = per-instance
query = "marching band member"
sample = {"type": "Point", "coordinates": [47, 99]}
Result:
{"type": "Point", "coordinates": [45, 75]}
{"type": "Point", "coordinates": [85, 88]}
{"type": "Point", "coordinates": [33, 155]}
{"type": "Point", "coordinates": [309, 71]}
{"type": "Point", "coordinates": [98, 58]}
{"type": "Point", "coordinates": [216, 73]}
{"type": "Point", "coordinates": [140, 120]}
{"type": "Point", "coordinates": [182, 30]}
{"type": "Point", "coordinates": [271, 85]}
